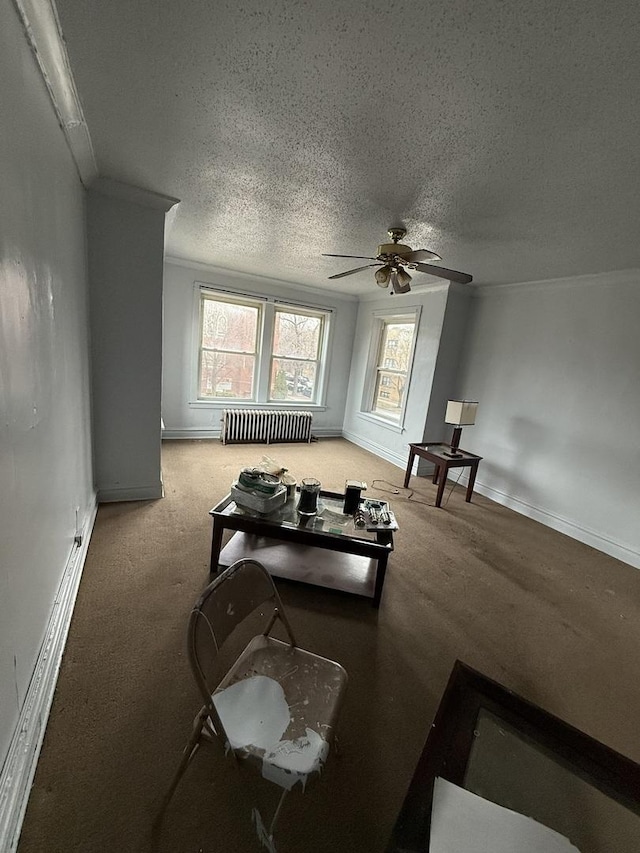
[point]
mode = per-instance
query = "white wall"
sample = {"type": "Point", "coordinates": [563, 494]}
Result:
{"type": "Point", "coordinates": [45, 448]}
{"type": "Point", "coordinates": [126, 250]}
{"type": "Point", "coordinates": [183, 417]}
{"type": "Point", "coordinates": [555, 367]}
{"type": "Point", "coordinates": [388, 441]}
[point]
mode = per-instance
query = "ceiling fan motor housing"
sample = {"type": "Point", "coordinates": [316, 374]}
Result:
{"type": "Point", "coordinates": [394, 249]}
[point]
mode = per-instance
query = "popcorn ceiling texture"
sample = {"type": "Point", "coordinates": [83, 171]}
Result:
{"type": "Point", "coordinates": [504, 136]}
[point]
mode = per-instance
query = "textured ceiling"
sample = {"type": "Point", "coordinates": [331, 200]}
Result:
{"type": "Point", "coordinates": [505, 136]}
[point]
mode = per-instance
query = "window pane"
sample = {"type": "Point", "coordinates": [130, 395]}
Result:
{"type": "Point", "coordinates": [389, 392]}
{"type": "Point", "coordinates": [396, 346]}
{"type": "Point", "coordinates": [388, 378]}
{"type": "Point", "coordinates": [224, 374]}
{"type": "Point", "coordinates": [292, 380]}
{"type": "Point", "coordinates": [227, 326]}
{"type": "Point", "coordinates": [296, 335]}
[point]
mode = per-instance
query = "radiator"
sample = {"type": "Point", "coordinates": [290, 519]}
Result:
{"type": "Point", "coordinates": [265, 425]}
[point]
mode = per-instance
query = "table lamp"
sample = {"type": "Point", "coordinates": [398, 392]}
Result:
{"type": "Point", "coordinates": [459, 413]}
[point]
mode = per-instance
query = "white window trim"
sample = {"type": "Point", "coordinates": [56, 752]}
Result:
{"type": "Point", "coordinates": [265, 334]}
{"type": "Point", "coordinates": [379, 318]}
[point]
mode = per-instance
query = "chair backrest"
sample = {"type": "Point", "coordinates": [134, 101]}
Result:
{"type": "Point", "coordinates": [228, 600]}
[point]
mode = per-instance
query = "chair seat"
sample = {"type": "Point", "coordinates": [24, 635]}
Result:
{"type": "Point", "coordinates": [283, 723]}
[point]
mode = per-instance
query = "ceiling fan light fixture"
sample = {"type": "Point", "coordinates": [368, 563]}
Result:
{"type": "Point", "coordinates": [400, 281]}
{"type": "Point", "coordinates": [382, 276]}
{"type": "Point", "coordinates": [404, 278]}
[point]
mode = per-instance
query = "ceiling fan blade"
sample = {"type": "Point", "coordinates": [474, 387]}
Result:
{"type": "Point", "coordinates": [357, 269]}
{"type": "Point", "coordinates": [421, 255]}
{"type": "Point", "coordinates": [443, 272]}
{"type": "Point", "coordinates": [357, 257]}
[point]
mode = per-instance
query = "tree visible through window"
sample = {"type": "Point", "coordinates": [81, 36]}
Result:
{"type": "Point", "coordinates": [239, 334]}
{"type": "Point", "coordinates": [228, 350]}
{"type": "Point", "coordinates": [295, 356]}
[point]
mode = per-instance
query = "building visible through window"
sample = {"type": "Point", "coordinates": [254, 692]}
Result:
{"type": "Point", "coordinates": [390, 364]}
{"type": "Point", "coordinates": [238, 335]}
{"type": "Point", "coordinates": [228, 349]}
{"type": "Point", "coordinates": [295, 355]}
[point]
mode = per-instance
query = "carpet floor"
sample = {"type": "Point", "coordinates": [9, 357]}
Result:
{"type": "Point", "coordinates": [547, 616]}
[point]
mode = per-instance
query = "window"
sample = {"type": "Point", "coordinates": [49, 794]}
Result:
{"type": "Point", "coordinates": [295, 355]}
{"type": "Point", "coordinates": [390, 362]}
{"type": "Point", "coordinates": [228, 349]}
{"type": "Point", "coordinates": [260, 350]}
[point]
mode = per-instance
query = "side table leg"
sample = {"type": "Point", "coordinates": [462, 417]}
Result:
{"type": "Point", "coordinates": [441, 472]}
{"type": "Point", "coordinates": [216, 545]}
{"type": "Point", "coordinates": [407, 475]}
{"type": "Point", "coordinates": [473, 470]}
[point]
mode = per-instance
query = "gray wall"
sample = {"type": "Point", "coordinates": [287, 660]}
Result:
{"type": "Point", "coordinates": [185, 418]}
{"type": "Point", "coordinates": [45, 448]}
{"type": "Point", "coordinates": [555, 367]}
{"type": "Point", "coordinates": [126, 248]}
{"type": "Point", "coordinates": [445, 378]}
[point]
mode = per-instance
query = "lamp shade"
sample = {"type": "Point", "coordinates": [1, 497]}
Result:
{"type": "Point", "coordinates": [461, 412]}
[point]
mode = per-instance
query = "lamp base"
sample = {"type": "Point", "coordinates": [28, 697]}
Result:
{"type": "Point", "coordinates": [453, 454]}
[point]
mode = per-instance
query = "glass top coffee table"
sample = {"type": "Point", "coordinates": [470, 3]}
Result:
{"type": "Point", "coordinates": [326, 549]}
{"type": "Point", "coordinates": [496, 745]}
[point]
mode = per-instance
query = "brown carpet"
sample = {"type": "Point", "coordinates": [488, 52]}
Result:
{"type": "Point", "coordinates": [545, 615]}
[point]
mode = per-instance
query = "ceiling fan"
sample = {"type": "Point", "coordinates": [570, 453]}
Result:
{"type": "Point", "coordinates": [393, 260]}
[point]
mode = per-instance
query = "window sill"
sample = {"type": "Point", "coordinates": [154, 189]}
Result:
{"type": "Point", "coordinates": [381, 422]}
{"type": "Point", "coordinates": [238, 404]}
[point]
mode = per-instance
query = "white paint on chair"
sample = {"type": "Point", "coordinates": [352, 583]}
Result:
{"type": "Point", "coordinates": [237, 706]}
{"type": "Point", "coordinates": [294, 761]}
{"type": "Point", "coordinates": [255, 713]}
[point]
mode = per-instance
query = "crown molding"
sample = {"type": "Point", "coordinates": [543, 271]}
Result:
{"type": "Point", "coordinates": [44, 34]}
{"type": "Point", "coordinates": [256, 280]}
{"type": "Point", "coordinates": [133, 194]}
{"type": "Point", "coordinates": [601, 279]}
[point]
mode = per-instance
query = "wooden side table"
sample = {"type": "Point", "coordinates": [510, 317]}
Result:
{"type": "Point", "coordinates": [436, 452]}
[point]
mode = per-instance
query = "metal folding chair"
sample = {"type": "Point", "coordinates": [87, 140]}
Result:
{"type": "Point", "coordinates": [276, 707]}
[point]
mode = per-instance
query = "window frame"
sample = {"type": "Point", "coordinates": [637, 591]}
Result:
{"type": "Point", "coordinates": [380, 319]}
{"type": "Point", "coordinates": [250, 303]}
{"type": "Point", "coordinates": [283, 308]}
{"type": "Point", "coordinates": [268, 306]}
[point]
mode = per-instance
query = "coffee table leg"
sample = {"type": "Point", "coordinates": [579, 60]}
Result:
{"type": "Point", "coordinates": [407, 475]}
{"type": "Point", "coordinates": [380, 575]}
{"type": "Point", "coordinates": [216, 545]}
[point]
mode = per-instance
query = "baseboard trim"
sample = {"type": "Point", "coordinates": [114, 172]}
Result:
{"type": "Point", "coordinates": [137, 493]}
{"type": "Point", "coordinates": [19, 767]}
{"type": "Point", "coordinates": [196, 433]}
{"type": "Point", "coordinates": [190, 432]}
{"type": "Point", "coordinates": [562, 525]}
{"type": "Point", "coordinates": [396, 459]}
